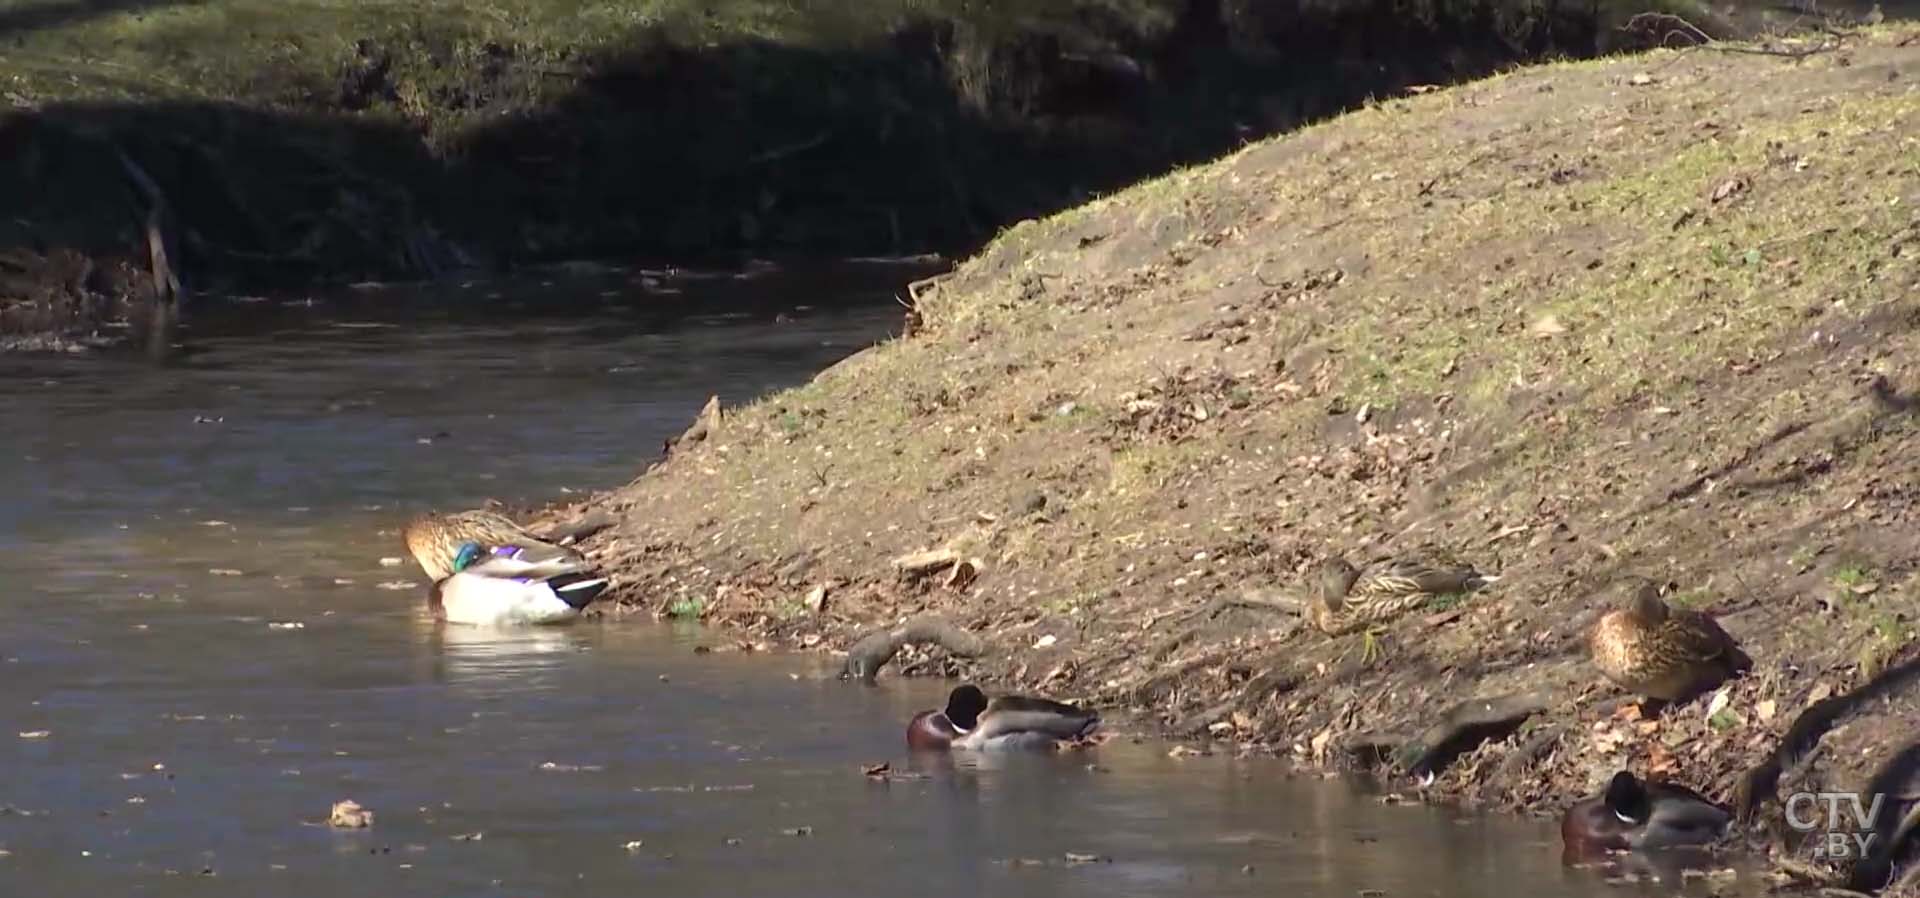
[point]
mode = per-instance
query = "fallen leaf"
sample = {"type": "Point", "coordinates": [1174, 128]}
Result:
{"type": "Point", "coordinates": [1719, 702]}
{"type": "Point", "coordinates": [1765, 709]}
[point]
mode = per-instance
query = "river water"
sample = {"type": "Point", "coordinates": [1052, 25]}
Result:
{"type": "Point", "coordinates": [201, 651]}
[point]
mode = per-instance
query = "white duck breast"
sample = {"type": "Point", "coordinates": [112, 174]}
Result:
{"type": "Point", "coordinates": [506, 591]}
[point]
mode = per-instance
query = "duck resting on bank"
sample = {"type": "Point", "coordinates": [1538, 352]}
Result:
{"type": "Point", "coordinates": [970, 722]}
{"type": "Point", "coordinates": [1349, 598]}
{"type": "Point", "coordinates": [433, 540]}
{"type": "Point", "coordinates": [496, 588]}
{"type": "Point", "coordinates": [1641, 815]}
{"type": "Point", "coordinates": [1661, 653]}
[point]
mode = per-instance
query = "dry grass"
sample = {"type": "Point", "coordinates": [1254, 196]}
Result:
{"type": "Point", "coordinates": [1569, 325]}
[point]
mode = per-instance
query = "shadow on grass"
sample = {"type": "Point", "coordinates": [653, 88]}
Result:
{"type": "Point", "coordinates": [21, 17]}
{"type": "Point", "coordinates": [930, 140]}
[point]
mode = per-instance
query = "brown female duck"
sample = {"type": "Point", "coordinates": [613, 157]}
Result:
{"type": "Point", "coordinates": [1663, 653]}
{"type": "Point", "coordinates": [435, 540]}
{"type": "Point", "coordinates": [970, 722]}
{"type": "Point", "coordinates": [1640, 815]}
{"type": "Point", "coordinates": [1349, 598]}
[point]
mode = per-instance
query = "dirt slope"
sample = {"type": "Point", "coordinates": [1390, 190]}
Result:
{"type": "Point", "coordinates": [1580, 323]}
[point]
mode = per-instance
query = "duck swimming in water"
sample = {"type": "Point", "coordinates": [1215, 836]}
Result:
{"type": "Point", "coordinates": [433, 540]}
{"type": "Point", "coordinates": [970, 722]}
{"type": "Point", "coordinates": [1641, 815]}
{"type": "Point", "coordinates": [506, 587]}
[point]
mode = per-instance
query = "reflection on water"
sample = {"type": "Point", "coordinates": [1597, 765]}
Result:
{"type": "Point", "coordinates": [203, 650]}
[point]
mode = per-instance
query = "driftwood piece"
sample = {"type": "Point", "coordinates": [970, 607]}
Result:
{"type": "Point", "coordinates": [1271, 682]}
{"type": "Point", "coordinates": [920, 564]}
{"type": "Point", "coordinates": [166, 280]}
{"type": "Point", "coordinates": [703, 427]}
{"type": "Point", "coordinates": [874, 650]}
{"type": "Point", "coordinates": [1461, 729]}
{"type": "Point", "coordinates": [566, 533]}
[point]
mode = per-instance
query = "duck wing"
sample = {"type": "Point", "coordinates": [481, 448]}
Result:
{"type": "Point", "coordinates": [1012, 714]}
{"type": "Point", "coordinates": [1410, 576]}
{"type": "Point", "coordinates": [1681, 815]}
{"type": "Point", "coordinates": [1701, 639]}
{"type": "Point", "coordinates": [519, 564]}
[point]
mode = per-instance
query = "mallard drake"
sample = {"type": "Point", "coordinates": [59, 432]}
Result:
{"type": "Point", "coordinates": [1664, 653]}
{"type": "Point", "coordinates": [1350, 598]}
{"type": "Point", "coordinates": [433, 540]}
{"type": "Point", "coordinates": [1641, 815]}
{"type": "Point", "coordinates": [506, 587]}
{"type": "Point", "coordinates": [970, 722]}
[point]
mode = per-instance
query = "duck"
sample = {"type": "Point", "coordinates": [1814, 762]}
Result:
{"type": "Point", "coordinates": [970, 722]}
{"type": "Point", "coordinates": [1662, 653]}
{"type": "Point", "coordinates": [1349, 598]}
{"type": "Point", "coordinates": [433, 540]}
{"type": "Point", "coordinates": [494, 589]}
{"type": "Point", "coordinates": [1641, 815]}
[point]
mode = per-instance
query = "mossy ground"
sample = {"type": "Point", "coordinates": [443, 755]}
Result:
{"type": "Point", "coordinates": [1581, 323]}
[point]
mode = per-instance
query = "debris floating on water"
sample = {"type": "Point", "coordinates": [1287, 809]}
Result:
{"type": "Point", "coordinates": [349, 815]}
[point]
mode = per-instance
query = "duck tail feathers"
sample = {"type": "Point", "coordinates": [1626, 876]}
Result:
{"type": "Point", "coordinates": [577, 590]}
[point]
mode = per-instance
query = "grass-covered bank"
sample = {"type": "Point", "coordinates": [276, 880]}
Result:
{"type": "Point", "coordinates": [1579, 323]}
{"type": "Point", "coordinates": [374, 138]}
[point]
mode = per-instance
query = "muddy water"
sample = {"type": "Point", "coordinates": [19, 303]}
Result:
{"type": "Point", "coordinates": [203, 651]}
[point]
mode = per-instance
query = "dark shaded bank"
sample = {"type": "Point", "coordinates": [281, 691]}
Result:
{"type": "Point", "coordinates": [425, 152]}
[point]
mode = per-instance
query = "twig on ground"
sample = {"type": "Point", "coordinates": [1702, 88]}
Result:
{"type": "Point", "coordinates": [873, 651]}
